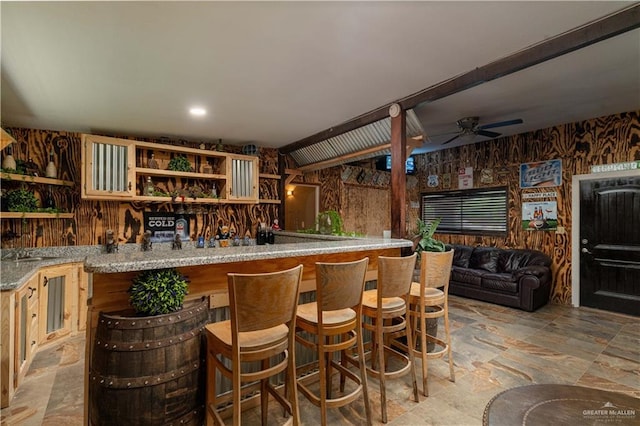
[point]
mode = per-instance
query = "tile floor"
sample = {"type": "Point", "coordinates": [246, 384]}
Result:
{"type": "Point", "coordinates": [495, 348]}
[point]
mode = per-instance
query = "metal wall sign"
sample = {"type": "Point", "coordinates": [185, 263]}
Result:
{"type": "Point", "coordinates": [549, 194]}
{"type": "Point", "coordinates": [541, 174]}
{"type": "Point", "coordinates": [616, 167]}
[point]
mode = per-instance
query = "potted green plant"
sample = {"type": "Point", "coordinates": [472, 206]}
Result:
{"type": "Point", "coordinates": [158, 291]}
{"type": "Point", "coordinates": [21, 200]}
{"type": "Point", "coordinates": [330, 222]}
{"type": "Point", "coordinates": [180, 163]}
{"type": "Point", "coordinates": [424, 239]}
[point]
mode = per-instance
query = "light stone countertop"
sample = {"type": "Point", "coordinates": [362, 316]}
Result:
{"type": "Point", "coordinates": [129, 257]}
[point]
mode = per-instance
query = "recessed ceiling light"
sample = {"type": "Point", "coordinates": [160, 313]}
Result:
{"type": "Point", "coordinates": [198, 111]}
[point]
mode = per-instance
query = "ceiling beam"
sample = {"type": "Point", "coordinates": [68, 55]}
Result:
{"type": "Point", "coordinates": [610, 26]}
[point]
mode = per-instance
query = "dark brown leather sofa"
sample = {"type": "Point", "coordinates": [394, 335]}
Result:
{"type": "Point", "coordinates": [511, 277]}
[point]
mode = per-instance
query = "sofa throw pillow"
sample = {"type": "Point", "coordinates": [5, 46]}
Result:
{"type": "Point", "coordinates": [485, 258]}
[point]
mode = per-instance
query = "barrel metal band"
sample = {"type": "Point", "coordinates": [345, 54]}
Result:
{"type": "Point", "coordinates": [117, 322]}
{"type": "Point", "coordinates": [189, 418]}
{"type": "Point", "coordinates": [114, 382]}
{"type": "Point", "coordinates": [114, 346]}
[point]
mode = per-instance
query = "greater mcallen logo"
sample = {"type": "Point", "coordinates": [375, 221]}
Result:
{"type": "Point", "coordinates": [610, 413]}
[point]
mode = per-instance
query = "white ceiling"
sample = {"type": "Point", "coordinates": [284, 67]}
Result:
{"type": "Point", "coordinates": [272, 73]}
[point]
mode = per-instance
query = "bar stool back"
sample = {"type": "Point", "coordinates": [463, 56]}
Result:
{"type": "Point", "coordinates": [261, 330]}
{"type": "Point", "coordinates": [427, 301]}
{"type": "Point", "coordinates": [335, 319]}
{"type": "Point", "coordinates": [386, 307]}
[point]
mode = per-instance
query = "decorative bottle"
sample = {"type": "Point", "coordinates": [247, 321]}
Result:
{"type": "Point", "coordinates": [148, 187]}
{"type": "Point", "coordinates": [51, 171]}
{"type": "Point", "coordinates": [9, 163]}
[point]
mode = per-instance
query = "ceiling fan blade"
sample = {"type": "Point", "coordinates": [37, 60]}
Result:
{"type": "Point", "coordinates": [450, 140]}
{"type": "Point", "coordinates": [487, 134]}
{"type": "Point", "coordinates": [501, 124]}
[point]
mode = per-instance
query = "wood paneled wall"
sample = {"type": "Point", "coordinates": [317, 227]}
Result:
{"type": "Point", "coordinates": [579, 145]}
{"type": "Point", "coordinates": [92, 218]}
{"type": "Point", "coordinates": [604, 140]}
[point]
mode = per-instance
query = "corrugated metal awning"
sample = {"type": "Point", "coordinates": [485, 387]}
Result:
{"type": "Point", "coordinates": [344, 148]}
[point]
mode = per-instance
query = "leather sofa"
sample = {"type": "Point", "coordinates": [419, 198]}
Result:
{"type": "Point", "coordinates": [512, 277]}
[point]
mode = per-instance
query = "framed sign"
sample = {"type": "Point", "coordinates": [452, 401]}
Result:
{"type": "Point", "coordinates": [540, 216]}
{"type": "Point", "coordinates": [161, 224]}
{"type": "Point", "coordinates": [541, 174]}
{"type": "Point", "coordinates": [465, 178]}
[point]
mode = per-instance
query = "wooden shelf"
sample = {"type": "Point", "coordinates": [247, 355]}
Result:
{"type": "Point", "coordinates": [269, 201]}
{"type": "Point", "coordinates": [153, 199]}
{"type": "Point", "coordinates": [157, 172]}
{"type": "Point", "coordinates": [269, 176]}
{"type": "Point", "coordinates": [35, 179]}
{"type": "Point", "coordinates": [20, 215]}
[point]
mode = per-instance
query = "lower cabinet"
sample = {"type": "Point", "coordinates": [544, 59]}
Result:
{"type": "Point", "coordinates": [58, 302]}
{"type": "Point", "coordinates": [27, 328]}
{"type": "Point", "coordinates": [51, 305]}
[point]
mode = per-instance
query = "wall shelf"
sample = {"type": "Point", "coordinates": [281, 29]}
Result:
{"type": "Point", "coordinates": [269, 176]}
{"type": "Point", "coordinates": [262, 201]}
{"type": "Point", "coordinates": [34, 179]}
{"type": "Point", "coordinates": [35, 215]}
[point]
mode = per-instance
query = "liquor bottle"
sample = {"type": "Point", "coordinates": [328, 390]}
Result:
{"type": "Point", "coordinates": [49, 202]}
{"type": "Point", "coordinates": [261, 237]}
{"type": "Point", "coordinates": [270, 237]}
{"type": "Point", "coordinates": [182, 228]}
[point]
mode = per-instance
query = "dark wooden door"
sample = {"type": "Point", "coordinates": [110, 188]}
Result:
{"type": "Point", "coordinates": [610, 244]}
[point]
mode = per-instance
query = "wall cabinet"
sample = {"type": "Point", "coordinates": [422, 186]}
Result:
{"type": "Point", "coordinates": [140, 171]}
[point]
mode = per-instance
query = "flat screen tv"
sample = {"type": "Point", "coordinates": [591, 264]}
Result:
{"type": "Point", "coordinates": [384, 163]}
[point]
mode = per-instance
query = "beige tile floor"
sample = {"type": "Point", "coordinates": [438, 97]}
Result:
{"type": "Point", "coordinates": [495, 348]}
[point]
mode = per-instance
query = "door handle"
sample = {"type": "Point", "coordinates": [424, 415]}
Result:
{"type": "Point", "coordinates": [585, 250]}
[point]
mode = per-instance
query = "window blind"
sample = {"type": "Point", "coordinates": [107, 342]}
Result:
{"type": "Point", "coordinates": [474, 211]}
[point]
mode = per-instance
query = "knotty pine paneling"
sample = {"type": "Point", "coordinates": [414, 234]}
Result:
{"type": "Point", "coordinates": [604, 140]}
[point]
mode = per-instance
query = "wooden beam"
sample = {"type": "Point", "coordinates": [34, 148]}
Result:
{"type": "Point", "coordinates": [610, 26]}
{"type": "Point", "coordinates": [5, 139]}
{"type": "Point", "coordinates": [398, 175]}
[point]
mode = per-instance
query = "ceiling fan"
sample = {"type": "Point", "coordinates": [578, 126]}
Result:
{"type": "Point", "coordinates": [469, 126]}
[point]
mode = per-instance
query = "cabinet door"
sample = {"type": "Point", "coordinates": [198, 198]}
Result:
{"type": "Point", "coordinates": [57, 299]}
{"type": "Point", "coordinates": [107, 171]}
{"type": "Point", "coordinates": [244, 179]}
{"type": "Point", "coordinates": [26, 330]}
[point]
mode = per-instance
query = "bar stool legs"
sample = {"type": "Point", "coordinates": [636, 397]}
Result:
{"type": "Point", "coordinates": [387, 307]}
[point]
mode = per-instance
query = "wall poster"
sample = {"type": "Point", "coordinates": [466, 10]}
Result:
{"type": "Point", "coordinates": [540, 216]}
{"type": "Point", "coordinates": [541, 174]}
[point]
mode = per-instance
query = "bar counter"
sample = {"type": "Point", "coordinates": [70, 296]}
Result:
{"type": "Point", "coordinates": [206, 270]}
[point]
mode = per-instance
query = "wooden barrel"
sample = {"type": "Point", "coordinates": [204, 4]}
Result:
{"type": "Point", "coordinates": [149, 370]}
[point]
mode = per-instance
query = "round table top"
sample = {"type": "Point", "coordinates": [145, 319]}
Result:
{"type": "Point", "coordinates": [543, 405]}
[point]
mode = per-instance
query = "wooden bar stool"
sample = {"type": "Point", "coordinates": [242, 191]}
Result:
{"type": "Point", "coordinates": [386, 307]}
{"type": "Point", "coordinates": [427, 301]}
{"type": "Point", "coordinates": [261, 330]}
{"type": "Point", "coordinates": [335, 319]}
